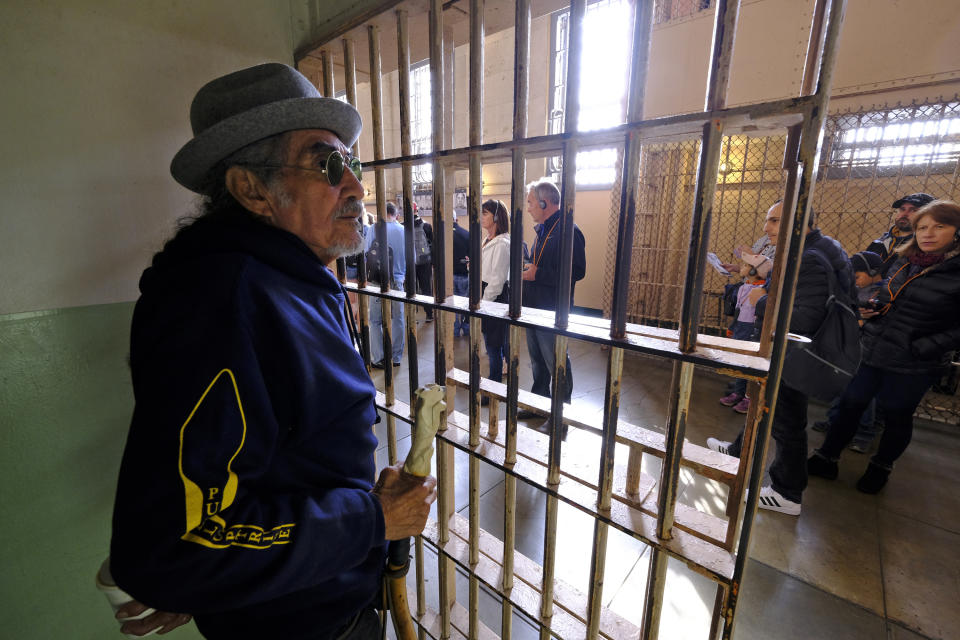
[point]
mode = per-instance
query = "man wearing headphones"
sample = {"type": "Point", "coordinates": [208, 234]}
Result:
{"type": "Point", "coordinates": [541, 277]}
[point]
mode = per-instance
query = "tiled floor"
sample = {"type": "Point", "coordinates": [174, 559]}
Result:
{"type": "Point", "coordinates": [851, 566]}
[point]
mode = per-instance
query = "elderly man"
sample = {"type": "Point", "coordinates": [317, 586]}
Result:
{"type": "Point", "coordinates": [246, 493]}
{"type": "Point", "coordinates": [541, 277]}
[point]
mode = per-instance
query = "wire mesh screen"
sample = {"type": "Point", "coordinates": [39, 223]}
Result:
{"type": "Point", "coordinates": [666, 10]}
{"type": "Point", "coordinates": [750, 180]}
{"type": "Point", "coordinates": [869, 159]}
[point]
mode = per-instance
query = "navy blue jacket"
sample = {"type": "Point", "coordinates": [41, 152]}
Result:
{"type": "Point", "coordinates": [541, 293]}
{"type": "Point", "coordinates": [244, 491]}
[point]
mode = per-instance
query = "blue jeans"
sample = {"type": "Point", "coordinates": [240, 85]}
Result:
{"type": "Point", "coordinates": [897, 395]}
{"type": "Point", "coordinates": [461, 287]}
{"type": "Point", "coordinates": [396, 329]}
{"type": "Point", "coordinates": [540, 344]}
{"type": "Point", "coordinates": [741, 331]}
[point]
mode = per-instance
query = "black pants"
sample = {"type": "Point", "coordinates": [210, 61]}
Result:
{"type": "Point", "coordinates": [897, 394]}
{"type": "Point", "coordinates": [788, 471]}
{"type": "Point", "coordinates": [366, 626]}
{"type": "Point", "coordinates": [424, 281]}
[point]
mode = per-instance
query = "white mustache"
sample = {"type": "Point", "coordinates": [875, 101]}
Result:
{"type": "Point", "coordinates": [352, 209]}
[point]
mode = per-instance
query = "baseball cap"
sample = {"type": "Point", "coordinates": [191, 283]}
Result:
{"type": "Point", "coordinates": [916, 199]}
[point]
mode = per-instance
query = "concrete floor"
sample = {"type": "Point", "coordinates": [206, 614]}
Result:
{"type": "Point", "coordinates": [851, 566]}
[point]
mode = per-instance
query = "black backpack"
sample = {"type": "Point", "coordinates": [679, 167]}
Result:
{"type": "Point", "coordinates": [373, 263]}
{"type": "Point", "coordinates": [823, 368]}
{"type": "Point", "coordinates": [421, 246]}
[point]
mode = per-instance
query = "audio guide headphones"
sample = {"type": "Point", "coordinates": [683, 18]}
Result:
{"type": "Point", "coordinates": [543, 204]}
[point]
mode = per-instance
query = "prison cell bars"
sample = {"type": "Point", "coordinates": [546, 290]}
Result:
{"type": "Point", "coordinates": [642, 28]}
{"type": "Point", "coordinates": [685, 356]}
{"type": "Point", "coordinates": [521, 47]}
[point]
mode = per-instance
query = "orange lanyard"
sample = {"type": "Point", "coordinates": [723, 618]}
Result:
{"type": "Point", "coordinates": [536, 258]}
{"type": "Point", "coordinates": [893, 296]}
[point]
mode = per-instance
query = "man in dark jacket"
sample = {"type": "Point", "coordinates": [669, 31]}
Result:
{"type": "Point", "coordinates": [541, 278]}
{"type": "Point", "coordinates": [901, 231]}
{"type": "Point", "coordinates": [424, 266]}
{"type": "Point", "coordinates": [788, 471]}
{"type": "Point", "coordinates": [246, 494]}
{"type": "Point", "coordinates": [461, 273]}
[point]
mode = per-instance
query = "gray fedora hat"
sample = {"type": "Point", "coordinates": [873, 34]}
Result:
{"type": "Point", "coordinates": [245, 106]}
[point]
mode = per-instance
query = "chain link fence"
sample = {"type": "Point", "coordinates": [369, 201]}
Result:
{"type": "Point", "coordinates": [869, 159]}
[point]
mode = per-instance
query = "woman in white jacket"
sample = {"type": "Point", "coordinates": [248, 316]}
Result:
{"type": "Point", "coordinates": [494, 271]}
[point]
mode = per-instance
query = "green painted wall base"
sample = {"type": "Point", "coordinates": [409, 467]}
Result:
{"type": "Point", "coordinates": [65, 404]}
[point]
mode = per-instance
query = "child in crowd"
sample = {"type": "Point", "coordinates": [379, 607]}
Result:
{"type": "Point", "coordinates": [755, 269]}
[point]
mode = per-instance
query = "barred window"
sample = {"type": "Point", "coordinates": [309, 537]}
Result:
{"type": "Point", "coordinates": [421, 126]}
{"type": "Point", "coordinates": [667, 10]}
{"type": "Point", "coordinates": [603, 84]}
{"type": "Point", "coordinates": [916, 138]}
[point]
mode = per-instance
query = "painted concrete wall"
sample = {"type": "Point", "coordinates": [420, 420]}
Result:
{"type": "Point", "coordinates": [96, 103]}
{"type": "Point", "coordinates": [96, 99]}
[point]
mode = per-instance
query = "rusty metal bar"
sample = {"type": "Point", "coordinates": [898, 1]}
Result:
{"type": "Point", "coordinates": [376, 105]}
{"type": "Point", "coordinates": [406, 171]}
{"type": "Point", "coordinates": [474, 201]}
{"type": "Point", "coordinates": [350, 79]}
{"type": "Point", "coordinates": [629, 182]}
{"type": "Point", "coordinates": [724, 31]}
{"type": "Point", "coordinates": [350, 84]}
{"type": "Point", "coordinates": [438, 250]}
{"type": "Point", "coordinates": [562, 312]}
{"type": "Point", "coordinates": [653, 604]}
{"type": "Point", "coordinates": [549, 562]}
{"type": "Point", "coordinates": [421, 586]}
{"type": "Point", "coordinates": [442, 358]}
{"type": "Point", "coordinates": [629, 187]}
{"type": "Point", "coordinates": [611, 413]}
{"type": "Point", "coordinates": [678, 126]}
{"type": "Point", "coordinates": [326, 61]}
{"type": "Point", "coordinates": [809, 153]}
{"type": "Point", "coordinates": [521, 75]}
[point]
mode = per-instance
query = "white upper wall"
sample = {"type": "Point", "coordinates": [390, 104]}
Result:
{"type": "Point", "coordinates": [96, 103]}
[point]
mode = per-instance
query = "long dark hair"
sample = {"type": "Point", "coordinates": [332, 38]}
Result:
{"type": "Point", "coordinates": [217, 203]}
{"type": "Point", "coordinates": [500, 216]}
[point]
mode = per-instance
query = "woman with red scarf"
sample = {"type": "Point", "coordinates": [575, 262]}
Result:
{"type": "Point", "coordinates": [906, 344]}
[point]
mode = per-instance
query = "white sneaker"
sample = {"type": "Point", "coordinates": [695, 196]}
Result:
{"type": "Point", "coordinates": [719, 445]}
{"type": "Point", "coordinates": [770, 499]}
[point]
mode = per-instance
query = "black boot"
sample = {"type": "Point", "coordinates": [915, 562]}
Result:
{"type": "Point", "coordinates": [820, 466]}
{"type": "Point", "coordinates": [873, 479]}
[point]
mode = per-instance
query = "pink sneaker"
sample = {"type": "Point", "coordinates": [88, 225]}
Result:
{"type": "Point", "coordinates": [743, 406]}
{"type": "Point", "coordinates": [730, 400]}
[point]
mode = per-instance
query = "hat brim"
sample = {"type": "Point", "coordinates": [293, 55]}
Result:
{"type": "Point", "coordinates": [192, 164]}
{"type": "Point", "coordinates": [917, 202]}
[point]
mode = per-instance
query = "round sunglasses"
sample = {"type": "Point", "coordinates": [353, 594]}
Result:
{"type": "Point", "coordinates": [333, 167]}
